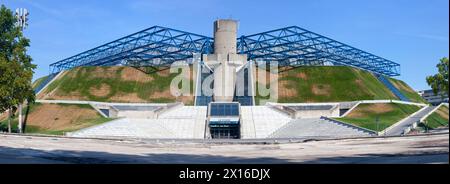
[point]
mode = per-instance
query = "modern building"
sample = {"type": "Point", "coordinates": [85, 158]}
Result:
{"type": "Point", "coordinates": [432, 98]}
{"type": "Point", "coordinates": [228, 61]}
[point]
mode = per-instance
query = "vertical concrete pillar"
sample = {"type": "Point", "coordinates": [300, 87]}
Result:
{"type": "Point", "coordinates": [225, 34]}
{"type": "Point", "coordinates": [224, 61]}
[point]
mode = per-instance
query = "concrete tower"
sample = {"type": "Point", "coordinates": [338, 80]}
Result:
{"type": "Point", "coordinates": [225, 34]}
{"type": "Point", "coordinates": [225, 61]}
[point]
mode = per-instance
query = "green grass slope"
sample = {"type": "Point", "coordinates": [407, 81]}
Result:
{"type": "Point", "coordinates": [329, 84]}
{"type": "Point", "coordinates": [438, 118]}
{"type": "Point", "coordinates": [366, 115]}
{"type": "Point", "coordinates": [406, 90]}
{"type": "Point", "coordinates": [56, 119]}
{"type": "Point", "coordinates": [115, 84]}
{"type": "Point", "coordinates": [297, 85]}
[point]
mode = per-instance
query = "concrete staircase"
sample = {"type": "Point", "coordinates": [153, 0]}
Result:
{"type": "Point", "coordinates": [392, 88]}
{"type": "Point", "coordinates": [316, 127]}
{"type": "Point", "coordinates": [260, 121]}
{"type": "Point", "coordinates": [186, 122]}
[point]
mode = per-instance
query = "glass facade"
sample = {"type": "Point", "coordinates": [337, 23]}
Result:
{"type": "Point", "coordinates": [225, 132]}
{"type": "Point", "coordinates": [224, 122]}
{"type": "Point", "coordinates": [224, 109]}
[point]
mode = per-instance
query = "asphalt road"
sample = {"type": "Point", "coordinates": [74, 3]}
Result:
{"type": "Point", "coordinates": [408, 149]}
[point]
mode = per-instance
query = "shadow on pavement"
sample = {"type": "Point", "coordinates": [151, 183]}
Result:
{"type": "Point", "coordinates": [27, 155]}
{"type": "Point", "coordinates": [34, 156]}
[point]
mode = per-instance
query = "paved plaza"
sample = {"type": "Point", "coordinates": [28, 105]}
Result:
{"type": "Point", "coordinates": [407, 149]}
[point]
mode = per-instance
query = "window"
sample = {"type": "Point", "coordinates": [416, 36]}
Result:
{"type": "Point", "coordinates": [224, 109]}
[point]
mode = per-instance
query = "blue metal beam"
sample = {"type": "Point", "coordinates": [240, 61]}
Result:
{"type": "Point", "coordinates": [286, 41]}
{"type": "Point", "coordinates": [293, 45]}
{"type": "Point", "coordinates": [156, 40]}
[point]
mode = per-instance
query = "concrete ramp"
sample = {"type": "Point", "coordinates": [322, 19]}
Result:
{"type": "Point", "coordinates": [400, 127]}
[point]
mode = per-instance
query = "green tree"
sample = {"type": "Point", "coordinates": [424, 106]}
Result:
{"type": "Point", "coordinates": [16, 69]}
{"type": "Point", "coordinates": [439, 81]}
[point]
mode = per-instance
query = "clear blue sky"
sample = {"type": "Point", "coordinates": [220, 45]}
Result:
{"type": "Point", "coordinates": [414, 33]}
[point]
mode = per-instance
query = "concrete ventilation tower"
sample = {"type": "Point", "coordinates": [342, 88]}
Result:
{"type": "Point", "coordinates": [225, 60]}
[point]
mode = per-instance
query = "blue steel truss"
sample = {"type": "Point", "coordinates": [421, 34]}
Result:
{"type": "Point", "coordinates": [154, 46]}
{"type": "Point", "coordinates": [291, 46]}
{"type": "Point", "coordinates": [296, 46]}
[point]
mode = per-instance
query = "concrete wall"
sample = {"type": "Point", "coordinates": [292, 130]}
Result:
{"type": "Point", "coordinates": [224, 67]}
{"type": "Point", "coordinates": [334, 112]}
{"type": "Point", "coordinates": [347, 105]}
{"type": "Point", "coordinates": [113, 112]}
{"type": "Point", "coordinates": [298, 114]}
{"type": "Point", "coordinates": [225, 60]}
{"type": "Point", "coordinates": [137, 114]}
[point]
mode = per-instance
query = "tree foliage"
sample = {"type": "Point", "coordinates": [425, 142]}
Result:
{"type": "Point", "coordinates": [16, 69]}
{"type": "Point", "coordinates": [439, 81]}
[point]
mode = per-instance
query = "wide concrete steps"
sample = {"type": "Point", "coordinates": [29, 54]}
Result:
{"type": "Point", "coordinates": [181, 123]}
{"type": "Point", "coordinates": [127, 128]}
{"type": "Point", "coordinates": [261, 121]}
{"type": "Point", "coordinates": [315, 127]}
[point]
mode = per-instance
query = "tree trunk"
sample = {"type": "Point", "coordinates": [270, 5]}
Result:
{"type": "Point", "coordinates": [24, 129]}
{"type": "Point", "coordinates": [19, 125]}
{"type": "Point", "coordinates": [9, 120]}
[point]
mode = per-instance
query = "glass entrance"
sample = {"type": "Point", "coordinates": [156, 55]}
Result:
{"type": "Point", "coordinates": [224, 120]}
{"type": "Point", "coordinates": [225, 132]}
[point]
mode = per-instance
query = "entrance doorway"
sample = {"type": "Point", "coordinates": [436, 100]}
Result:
{"type": "Point", "coordinates": [224, 120]}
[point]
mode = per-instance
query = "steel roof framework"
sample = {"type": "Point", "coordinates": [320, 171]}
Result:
{"type": "Point", "coordinates": [164, 44]}
{"type": "Point", "coordinates": [293, 46]}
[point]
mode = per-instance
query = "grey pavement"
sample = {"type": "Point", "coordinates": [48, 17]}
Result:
{"type": "Point", "coordinates": [45, 150]}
